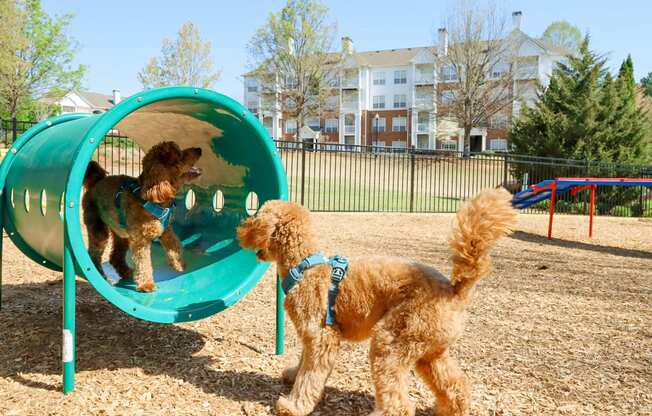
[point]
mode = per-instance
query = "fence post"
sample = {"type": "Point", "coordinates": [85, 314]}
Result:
{"type": "Point", "coordinates": [14, 130]}
{"type": "Point", "coordinates": [412, 161]}
{"type": "Point", "coordinates": [303, 169]}
{"type": "Point", "coordinates": [505, 170]}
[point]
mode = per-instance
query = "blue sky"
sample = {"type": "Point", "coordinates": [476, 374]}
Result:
{"type": "Point", "coordinates": [118, 37]}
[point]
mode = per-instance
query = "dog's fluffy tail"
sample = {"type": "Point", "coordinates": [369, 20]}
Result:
{"type": "Point", "coordinates": [480, 223]}
{"type": "Point", "coordinates": [94, 174]}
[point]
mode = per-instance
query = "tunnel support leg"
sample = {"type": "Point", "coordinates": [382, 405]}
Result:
{"type": "Point", "coordinates": [280, 317]}
{"type": "Point", "coordinates": [1, 240]}
{"type": "Point", "coordinates": [68, 346]}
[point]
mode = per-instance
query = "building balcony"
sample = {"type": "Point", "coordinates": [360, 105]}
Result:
{"type": "Point", "coordinates": [423, 127]}
{"type": "Point", "coordinates": [424, 79]}
{"type": "Point", "coordinates": [427, 101]}
{"type": "Point", "coordinates": [350, 83]}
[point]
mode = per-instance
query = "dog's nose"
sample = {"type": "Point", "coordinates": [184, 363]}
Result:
{"type": "Point", "coordinates": [197, 150]}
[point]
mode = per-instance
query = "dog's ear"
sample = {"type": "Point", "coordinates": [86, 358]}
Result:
{"type": "Point", "coordinates": [158, 192]}
{"type": "Point", "coordinates": [255, 232]}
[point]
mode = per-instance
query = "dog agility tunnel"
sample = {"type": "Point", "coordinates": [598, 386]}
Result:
{"type": "Point", "coordinates": [42, 184]}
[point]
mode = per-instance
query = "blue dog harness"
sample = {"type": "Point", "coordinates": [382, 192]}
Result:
{"type": "Point", "coordinates": [339, 266]}
{"type": "Point", "coordinates": [164, 215]}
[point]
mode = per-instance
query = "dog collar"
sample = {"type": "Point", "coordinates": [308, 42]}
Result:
{"type": "Point", "coordinates": [339, 266]}
{"type": "Point", "coordinates": [163, 214]}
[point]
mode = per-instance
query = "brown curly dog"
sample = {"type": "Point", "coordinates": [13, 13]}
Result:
{"type": "Point", "coordinates": [412, 312]}
{"type": "Point", "coordinates": [165, 169]}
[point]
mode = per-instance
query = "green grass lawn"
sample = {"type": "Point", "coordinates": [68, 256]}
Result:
{"type": "Point", "coordinates": [338, 195]}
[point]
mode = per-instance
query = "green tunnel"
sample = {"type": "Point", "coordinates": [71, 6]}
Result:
{"type": "Point", "coordinates": [42, 176]}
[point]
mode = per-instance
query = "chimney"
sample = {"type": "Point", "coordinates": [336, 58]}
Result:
{"type": "Point", "coordinates": [516, 20]}
{"type": "Point", "coordinates": [443, 41]}
{"type": "Point", "coordinates": [347, 45]}
{"type": "Point", "coordinates": [116, 97]}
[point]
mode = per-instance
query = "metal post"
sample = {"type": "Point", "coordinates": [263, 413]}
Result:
{"type": "Point", "coordinates": [553, 200]}
{"type": "Point", "coordinates": [591, 210]}
{"type": "Point", "coordinates": [14, 130]}
{"type": "Point", "coordinates": [505, 170]}
{"type": "Point", "coordinates": [412, 161]}
{"type": "Point", "coordinates": [1, 240]}
{"type": "Point", "coordinates": [280, 317]}
{"type": "Point", "coordinates": [68, 345]}
{"type": "Point", "coordinates": [303, 169]}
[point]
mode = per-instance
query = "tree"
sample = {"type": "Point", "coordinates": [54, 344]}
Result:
{"type": "Point", "coordinates": [291, 58]}
{"type": "Point", "coordinates": [186, 60]}
{"type": "Point", "coordinates": [646, 83]}
{"type": "Point", "coordinates": [40, 57]}
{"type": "Point", "coordinates": [481, 55]}
{"type": "Point", "coordinates": [564, 34]}
{"type": "Point", "coordinates": [586, 114]}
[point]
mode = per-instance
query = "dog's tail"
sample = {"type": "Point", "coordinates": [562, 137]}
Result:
{"type": "Point", "coordinates": [94, 174]}
{"type": "Point", "coordinates": [480, 223]}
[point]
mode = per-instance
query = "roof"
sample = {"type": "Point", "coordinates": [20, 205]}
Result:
{"type": "Point", "coordinates": [97, 100]}
{"type": "Point", "coordinates": [388, 57]}
{"type": "Point", "coordinates": [402, 56]}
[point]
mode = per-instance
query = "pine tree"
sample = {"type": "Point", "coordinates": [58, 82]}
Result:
{"type": "Point", "coordinates": [584, 114]}
{"type": "Point", "coordinates": [564, 122]}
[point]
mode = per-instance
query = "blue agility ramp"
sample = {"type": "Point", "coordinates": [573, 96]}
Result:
{"type": "Point", "coordinates": [551, 188]}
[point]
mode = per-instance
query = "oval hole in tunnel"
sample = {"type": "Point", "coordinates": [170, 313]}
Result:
{"type": "Point", "coordinates": [11, 198]}
{"type": "Point", "coordinates": [190, 199]}
{"type": "Point", "coordinates": [26, 199]}
{"type": "Point", "coordinates": [44, 202]}
{"type": "Point", "coordinates": [218, 201]}
{"type": "Point", "coordinates": [61, 204]}
{"type": "Point", "coordinates": [252, 203]}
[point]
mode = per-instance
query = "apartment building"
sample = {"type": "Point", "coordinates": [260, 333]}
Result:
{"type": "Point", "coordinates": [398, 98]}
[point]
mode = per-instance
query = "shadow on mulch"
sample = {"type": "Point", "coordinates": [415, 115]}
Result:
{"type": "Point", "coordinates": [30, 337]}
{"type": "Point", "coordinates": [616, 251]}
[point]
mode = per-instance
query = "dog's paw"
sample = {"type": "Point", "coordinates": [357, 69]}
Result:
{"type": "Point", "coordinates": [177, 266]}
{"type": "Point", "coordinates": [289, 375]}
{"type": "Point", "coordinates": [284, 407]}
{"type": "Point", "coordinates": [146, 287]}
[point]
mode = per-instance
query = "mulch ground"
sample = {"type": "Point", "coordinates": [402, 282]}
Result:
{"type": "Point", "coordinates": [559, 328]}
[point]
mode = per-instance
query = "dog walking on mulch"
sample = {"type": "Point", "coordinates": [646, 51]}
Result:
{"type": "Point", "coordinates": [412, 312]}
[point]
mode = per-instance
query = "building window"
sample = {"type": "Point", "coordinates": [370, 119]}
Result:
{"type": "Point", "coordinates": [499, 121]}
{"type": "Point", "coordinates": [291, 126]}
{"type": "Point", "coordinates": [448, 73]}
{"type": "Point", "coordinates": [331, 102]}
{"type": "Point", "coordinates": [378, 125]}
{"type": "Point", "coordinates": [379, 78]}
{"type": "Point", "coordinates": [252, 106]}
{"type": "Point", "coordinates": [499, 70]}
{"type": "Point", "coordinates": [330, 125]}
{"type": "Point", "coordinates": [252, 85]}
{"type": "Point", "coordinates": [313, 123]}
{"type": "Point", "coordinates": [423, 141]}
{"type": "Point", "coordinates": [400, 101]}
{"type": "Point", "coordinates": [400, 77]}
{"type": "Point", "coordinates": [447, 97]}
{"type": "Point", "coordinates": [448, 144]}
{"type": "Point", "coordinates": [290, 103]}
{"type": "Point", "coordinates": [378, 146]}
{"type": "Point", "coordinates": [68, 109]}
{"type": "Point", "coordinates": [379, 101]}
{"type": "Point", "coordinates": [399, 123]}
{"type": "Point", "coordinates": [349, 124]}
{"type": "Point", "coordinates": [399, 145]}
{"type": "Point", "coordinates": [498, 144]}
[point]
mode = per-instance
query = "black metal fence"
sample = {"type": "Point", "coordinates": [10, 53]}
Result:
{"type": "Point", "coordinates": [335, 177]}
{"type": "Point", "coordinates": [12, 128]}
{"type": "Point", "coordinates": [351, 178]}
